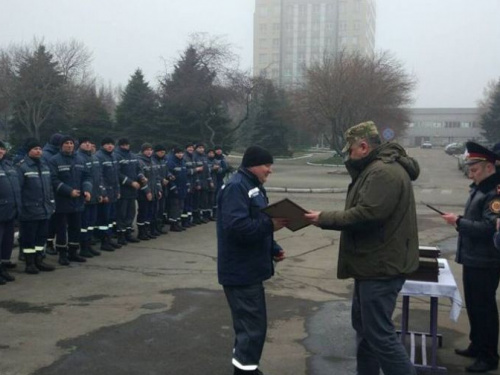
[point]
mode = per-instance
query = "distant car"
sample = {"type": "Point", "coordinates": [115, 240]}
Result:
{"type": "Point", "coordinates": [461, 163]}
{"type": "Point", "coordinates": [454, 148]}
{"type": "Point", "coordinates": [426, 145]}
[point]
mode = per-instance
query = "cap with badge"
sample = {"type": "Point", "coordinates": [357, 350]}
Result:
{"type": "Point", "coordinates": [365, 130]}
{"type": "Point", "coordinates": [478, 153]}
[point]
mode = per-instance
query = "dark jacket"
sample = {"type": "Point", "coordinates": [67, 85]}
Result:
{"type": "Point", "coordinates": [150, 171]}
{"type": "Point", "coordinates": [48, 151]}
{"type": "Point", "coordinates": [220, 160]}
{"type": "Point", "coordinates": [203, 177]}
{"type": "Point", "coordinates": [109, 172]}
{"type": "Point", "coordinates": [379, 224]}
{"type": "Point", "coordinates": [128, 172]}
{"type": "Point", "coordinates": [37, 195]}
{"type": "Point", "coordinates": [477, 226]}
{"type": "Point", "coordinates": [69, 172]}
{"type": "Point", "coordinates": [179, 186]}
{"type": "Point", "coordinates": [160, 164]}
{"type": "Point", "coordinates": [245, 235]}
{"type": "Point", "coordinates": [10, 192]}
{"type": "Point", "coordinates": [94, 169]}
{"type": "Point", "coordinates": [190, 167]}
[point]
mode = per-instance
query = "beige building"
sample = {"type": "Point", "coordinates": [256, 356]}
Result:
{"type": "Point", "coordinates": [289, 35]}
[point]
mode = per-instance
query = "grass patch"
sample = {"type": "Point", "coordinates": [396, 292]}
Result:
{"type": "Point", "coordinates": [335, 160]}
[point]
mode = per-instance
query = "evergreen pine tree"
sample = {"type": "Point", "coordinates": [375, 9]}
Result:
{"type": "Point", "coordinates": [39, 100]}
{"type": "Point", "coordinates": [137, 113]}
{"type": "Point", "coordinates": [269, 127]}
{"type": "Point", "coordinates": [192, 105]}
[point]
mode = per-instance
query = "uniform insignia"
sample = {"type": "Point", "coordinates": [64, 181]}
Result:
{"type": "Point", "coordinates": [495, 206]}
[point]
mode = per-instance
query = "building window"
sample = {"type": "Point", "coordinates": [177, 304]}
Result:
{"type": "Point", "coordinates": [262, 42]}
{"type": "Point", "coordinates": [276, 43]}
{"type": "Point", "coordinates": [263, 27]}
{"type": "Point", "coordinates": [276, 27]}
{"type": "Point", "coordinates": [263, 58]}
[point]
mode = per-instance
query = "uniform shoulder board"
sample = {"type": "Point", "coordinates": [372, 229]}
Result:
{"type": "Point", "coordinates": [495, 206]}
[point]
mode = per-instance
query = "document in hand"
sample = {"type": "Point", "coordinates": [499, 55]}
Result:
{"type": "Point", "coordinates": [285, 208]}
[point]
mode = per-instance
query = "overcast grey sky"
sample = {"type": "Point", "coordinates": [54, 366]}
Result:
{"type": "Point", "coordinates": [451, 46]}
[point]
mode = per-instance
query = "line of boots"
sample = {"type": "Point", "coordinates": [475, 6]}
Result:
{"type": "Point", "coordinates": [35, 263]}
{"type": "Point", "coordinates": [125, 237]}
{"type": "Point", "coordinates": [148, 231]}
{"type": "Point", "coordinates": [69, 254]}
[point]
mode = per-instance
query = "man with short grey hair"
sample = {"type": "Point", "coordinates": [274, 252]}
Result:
{"type": "Point", "coordinates": [378, 244]}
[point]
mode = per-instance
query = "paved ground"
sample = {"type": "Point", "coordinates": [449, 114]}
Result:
{"type": "Point", "coordinates": [156, 308]}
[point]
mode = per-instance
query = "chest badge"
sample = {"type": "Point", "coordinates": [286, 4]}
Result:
{"type": "Point", "coordinates": [495, 206]}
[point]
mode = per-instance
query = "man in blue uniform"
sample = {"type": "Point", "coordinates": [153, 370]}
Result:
{"type": "Point", "coordinates": [72, 187]}
{"type": "Point", "coordinates": [130, 175]}
{"type": "Point", "coordinates": [246, 250]}
{"type": "Point", "coordinates": [37, 206]}
{"type": "Point", "coordinates": [479, 258]}
{"type": "Point", "coordinates": [10, 205]}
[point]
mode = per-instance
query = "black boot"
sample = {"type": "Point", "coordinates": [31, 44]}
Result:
{"type": "Point", "coordinates": [174, 228]}
{"type": "Point", "coordinates": [93, 251]}
{"type": "Point", "coordinates": [159, 227]}
{"type": "Point", "coordinates": [40, 264]}
{"type": "Point", "coordinates": [196, 218]}
{"type": "Point", "coordinates": [143, 234]}
{"type": "Point", "coordinates": [129, 238]}
{"type": "Point", "coordinates": [84, 249]}
{"type": "Point", "coordinates": [30, 264]}
{"type": "Point", "coordinates": [121, 239]}
{"type": "Point", "coordinates": [179, 226]}
{"type": "Point", "coordinates": [115, 244]}
{"type": "Point", "coordinates": [4, 274]}
{"type": "Point", "coordinates": [150, 228]}
{"type": "Point", "coordinates": [49, 247]}
{"type": "Point", "coordinates": [105, 244]}
{"type": "Point", "coordinates": [73, 254]}
{"type": "Point", "coordinates": [63, 255]}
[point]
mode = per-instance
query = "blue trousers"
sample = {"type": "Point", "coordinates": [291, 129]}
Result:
{"type": "Point", "coordinates": [480, 287]}
{"type": "Point", "coordinates": [6, 239]}
{"type": "Point", "coordinates": [248, 310]}
{"type": "Point", "coordinates": [89, 221]}
{"type": "Point", "coordinates": [378, 346]}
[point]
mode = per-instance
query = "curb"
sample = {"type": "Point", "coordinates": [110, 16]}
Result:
{"type": "Point", "coordinates": [306, 190]}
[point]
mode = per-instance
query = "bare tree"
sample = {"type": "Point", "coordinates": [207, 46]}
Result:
{"type": "Point", "coordinates": [348, 88]}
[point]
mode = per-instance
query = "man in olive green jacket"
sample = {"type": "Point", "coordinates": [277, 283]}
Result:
{"type": "Point", "coordinates": [378, 244]}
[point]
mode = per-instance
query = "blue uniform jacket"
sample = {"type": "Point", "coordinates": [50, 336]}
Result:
{"type": "Point", "coordinates": [128, 172]}
{"type": "Point", "coordinates": [179, 186]}
{"type": "Point", "coordinates": [109, 172]}
{"type": "Point", "coordinates": [203, 178]}
{"type": "Point", "coordinates": [150, 170]}
{"type": "Point", "coordinates": [49, 151]}
{"type": "Point", "coordinates": [10, 193]}
{"type": "Point", "coordinates": [245, 235]}
{"type": "Point", "coordinates": [69, 172]}
{"type": "Point", "coordinates": [190, 166]}
{"type": "Point", "coordinates": [94, 169]}
{"type": "Point", "coordinates": [37, 195]}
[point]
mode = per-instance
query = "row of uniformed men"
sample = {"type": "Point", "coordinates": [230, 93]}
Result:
{"type": "Point", "coordinates": [62, 197]}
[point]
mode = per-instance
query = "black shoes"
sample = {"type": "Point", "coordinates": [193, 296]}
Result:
{"type": "Point", "coordinates": [469, 353]}
{"type": "Point", "coordinates": [481, 366]}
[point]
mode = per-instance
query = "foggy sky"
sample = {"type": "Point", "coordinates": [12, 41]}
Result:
{"type": "Point", "coordinates": [451, 46]}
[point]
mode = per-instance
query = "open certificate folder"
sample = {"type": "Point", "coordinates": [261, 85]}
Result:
{"type": "Point", "coordinates": [285, 208]}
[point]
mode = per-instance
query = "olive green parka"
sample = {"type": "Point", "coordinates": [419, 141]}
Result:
{"type": "Point", "coordinates": [379, 236]}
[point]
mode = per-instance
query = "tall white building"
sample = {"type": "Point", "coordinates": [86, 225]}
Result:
{"type": "Point", "coordinates": [291, 34]}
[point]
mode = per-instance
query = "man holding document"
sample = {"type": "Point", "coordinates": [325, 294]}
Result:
{"type": "Point", "coordinates": [378, 244]}
{"type": "Point", "coordinates": [246, 250]}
